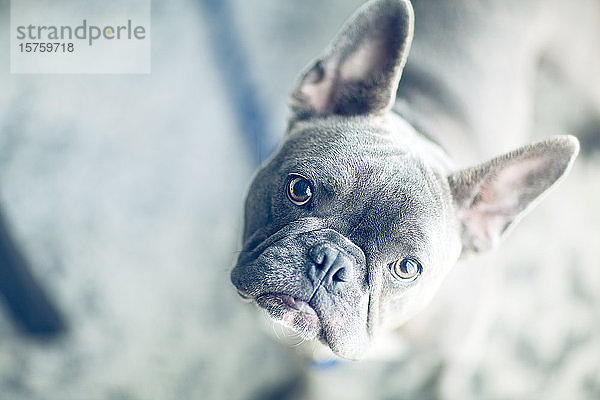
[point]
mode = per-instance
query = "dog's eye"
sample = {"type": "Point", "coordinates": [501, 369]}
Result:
{"type": "Point", "coordinates": [298, 190]}
{"type": "Point", "coordinates": [407, 269]}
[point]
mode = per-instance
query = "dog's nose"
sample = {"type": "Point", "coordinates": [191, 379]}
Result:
{"type": "Point", "coordinates": [331, 265]}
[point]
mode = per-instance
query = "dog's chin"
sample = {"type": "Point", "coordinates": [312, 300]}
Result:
{"type": "Point", "coordinates": [310, 323]}
{"type": "Point", "coordinates": [293, 313]}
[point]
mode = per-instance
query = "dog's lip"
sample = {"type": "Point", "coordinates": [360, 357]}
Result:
{"type": "Point", "coordinates": [245, 297]}
{"type": "Point", "coordinates": [292, 312]}
{"type": "Point", "coordinates": [278, 300]}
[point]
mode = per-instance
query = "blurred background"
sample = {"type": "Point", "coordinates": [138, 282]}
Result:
{"type": "Point", "coordinates": [124, 194]}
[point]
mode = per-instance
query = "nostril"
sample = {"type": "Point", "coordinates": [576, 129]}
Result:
{"type": "Point", "coordinates": [341, 275]}
{"type": "Point", "coordinates": [323, 256]}
{"type": "Point", "coordinates": [331, 266]}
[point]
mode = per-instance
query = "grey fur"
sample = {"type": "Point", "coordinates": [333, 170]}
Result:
{"type": "Point", "coordinates": [381, 191]}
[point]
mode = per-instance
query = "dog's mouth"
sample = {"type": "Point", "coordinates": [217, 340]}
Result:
{"type": "Point", "coordinates": [293, 312]}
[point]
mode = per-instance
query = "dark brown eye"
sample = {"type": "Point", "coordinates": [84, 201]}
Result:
{"type": "Point", "coordinates": [407, 269]}
{"type": "Point", "coordinates": [298, 190]}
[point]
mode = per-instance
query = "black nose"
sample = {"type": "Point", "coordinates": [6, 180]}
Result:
{"type": "Point", "coordinates": [331, 267]}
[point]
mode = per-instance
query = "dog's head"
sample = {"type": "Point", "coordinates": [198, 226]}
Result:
{"type": "Point", "coordinates": [353, 224]}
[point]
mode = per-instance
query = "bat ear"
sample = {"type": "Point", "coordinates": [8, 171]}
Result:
{"type": "Point", "coordinates": [490, 198]}
{"type": "Point", "coordinates": [361, 69]}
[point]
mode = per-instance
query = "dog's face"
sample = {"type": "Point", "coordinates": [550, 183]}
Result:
{"type": "Point", "coordinates": [353, 224]}
{"type": "Point", "coordinates": [343, 226]}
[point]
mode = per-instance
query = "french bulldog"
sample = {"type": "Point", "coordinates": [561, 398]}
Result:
{"type": "Point", "coordinates": [351, 227]}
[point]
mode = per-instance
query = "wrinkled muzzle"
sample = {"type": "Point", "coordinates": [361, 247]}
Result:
{"type": "Point", "coordinates": [314, 281]}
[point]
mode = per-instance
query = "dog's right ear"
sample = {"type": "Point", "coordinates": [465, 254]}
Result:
{"type": "Point", "coordinates": [361, 69]}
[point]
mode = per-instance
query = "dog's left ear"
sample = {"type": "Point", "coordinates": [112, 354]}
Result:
{"type": "Point", "coordinates": [491, 197]}
{"type": "Point", "coordinates": [360, 71]}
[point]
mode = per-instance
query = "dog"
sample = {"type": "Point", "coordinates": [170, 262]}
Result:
{"type": "Point", "coordinates": [373, 197]}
